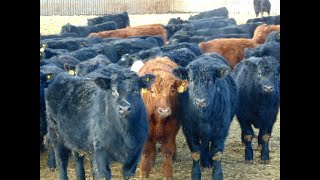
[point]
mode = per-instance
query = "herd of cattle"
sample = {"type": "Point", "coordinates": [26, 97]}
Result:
{"type": "Point", "coordinates": [112, 92]}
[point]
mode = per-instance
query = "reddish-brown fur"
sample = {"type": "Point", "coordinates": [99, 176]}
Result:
{"type": "Point", "coordinates": [232, 49]}
{"type": "Point", "coordinates": [262, 31]}
{"type": "Point", "coordinates": [149, 29]}
{"type": "Point", "coordinates": [162, 94]}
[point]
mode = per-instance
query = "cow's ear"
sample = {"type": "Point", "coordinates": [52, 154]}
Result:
{"type": "Point", "coordinates": [180, 72]}
{"type": "Point", "coordinates": [49, 76]}
{"type": "Point", "coordinates": [103, 82]}
{"type": "Point", "coordinates": [147, 80]}
{"type": "Point", "coordinates": [181, 85]}
{"type": "Point", "coordinates": [69, 69]}
{"type": "Point", "coordinates": [223, 72]}
{"type": "Point", "coordinates": [42, 47]}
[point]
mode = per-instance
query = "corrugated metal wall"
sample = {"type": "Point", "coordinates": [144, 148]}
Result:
{"type": "Point", "coordinates": [99, 7]}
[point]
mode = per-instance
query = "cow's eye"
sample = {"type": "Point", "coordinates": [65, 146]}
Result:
{"type": "Point", "coordinates": [173, 90]}
{"type": "Point", "coordinates": [152, 91]}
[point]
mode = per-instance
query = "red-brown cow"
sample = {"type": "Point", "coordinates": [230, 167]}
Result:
{"type": "Point", "coordinates": [232, 49]}
{"type": "Point", "coordinates": [148, 29]}
{"type": "Point", "coordinates": [162, 106]}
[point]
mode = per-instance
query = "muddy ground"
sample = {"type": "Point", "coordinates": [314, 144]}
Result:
{"type": "Point", "coordinates": [233, 164]}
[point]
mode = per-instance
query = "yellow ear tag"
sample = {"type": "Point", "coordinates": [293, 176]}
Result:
{"type": "Point", "coordinates": [180, 89]}
{"type": "Point", "coordinates": [71, 72]}
{"type": "Point", "coordinates": [48, 77]}
{"type": "Point", "coordinates": [144, 90]}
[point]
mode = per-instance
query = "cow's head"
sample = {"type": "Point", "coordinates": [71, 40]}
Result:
{"type": "Point", "coordinates": [204, 76]}
{"type": "Point", "coordinates": [162, 97]}
{"type": "Point", "coordinates": [125, 90]}
{"type": "Point", "coordinates": [264, 74]}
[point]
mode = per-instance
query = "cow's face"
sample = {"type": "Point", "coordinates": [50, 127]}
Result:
{"type": "Point", "coordinates": [68, 28]}
{"type": "Point", "coordinates": [125, 91]}
{"type": "Point", "coordinates": [162, 97]}
{"type": "Point", "coordinates": [203, 75]}
{"type": "Point", "coordinates": [264, 74]}
{"type": "Point", "coordinates": [48, 73]}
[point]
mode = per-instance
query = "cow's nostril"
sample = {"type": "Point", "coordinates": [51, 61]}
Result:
{"type": "Point", "coordinates": [200, 102]}
{"type": "Point", "coordinates": [164, 112]}
{"type": "Point", "coordinates": [268, 88]}
{"type": "Point", "coordinates": [129, 108]}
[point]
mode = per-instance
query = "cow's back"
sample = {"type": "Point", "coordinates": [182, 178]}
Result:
{"type": "Point", "coordinates": [232, 49]}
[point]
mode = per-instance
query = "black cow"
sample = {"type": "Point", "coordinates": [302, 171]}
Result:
{"type": "Point", "coordinates": [209, 107]}
{"type": "Point", "coordinates": [122, 19]}
{"type": "Point", "coordinates": [49, 52]}
{"type": "Point", "coordinates": [71, 43]}
{"type": "Point", "coordinates": [223, 12]}
{"type": "Point", "coordinates": [270, 20]}
{"type": "Point", "coordinates": [46, 76]}
{"type": "Point", "coordinates": [261, 6]}
{"type": "Point", "coordinates": [90, 65]}
{"type": "Point", "coordinates": [84, 31]}
{"type": "Point", "coordinates": [258, 81]}
{"type": "Point", "coordinates": [60, 61]}
{"type": "Point", "coordinates": [103, 116]}
{"type": "Point", "coordinates": [144, 55]}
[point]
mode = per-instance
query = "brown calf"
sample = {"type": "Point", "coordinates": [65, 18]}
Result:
{"type": "Point", "coordinates": [232, 49]}
{"type": "Point", "coordinates": [162, 105]}
{"type": "Point", "coordinates": [143, 30]}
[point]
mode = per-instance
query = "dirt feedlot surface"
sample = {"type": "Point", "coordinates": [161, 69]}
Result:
{"type": "Point", "coordinates": [233, 164]}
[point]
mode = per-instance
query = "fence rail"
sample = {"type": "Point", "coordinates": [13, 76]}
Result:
{"type": "Point", "coordinates": [99, 7]}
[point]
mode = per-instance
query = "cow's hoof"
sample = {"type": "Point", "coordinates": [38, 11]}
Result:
{"type": "Point", "coordinates": [143, 177]}
{"type": "Point", "coordinates": [249, 161]}
{"type": "Point", "coordinates": [265, 161]}
{"type": "Point", "coordinates": [205, 169]}
{"type": "Point", "coordinates": [168, 178]}
{"type": "Point", "coordinates": [52, 169]}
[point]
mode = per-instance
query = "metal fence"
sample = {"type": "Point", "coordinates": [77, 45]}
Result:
{"type": "Point", "coordinates": [99, 7]}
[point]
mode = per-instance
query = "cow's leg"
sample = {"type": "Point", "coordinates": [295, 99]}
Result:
{"type": "Point", "coordinates": [100, 165]}
{"type": "Point", "coordinates": [194, 146]}
{"type": "Point", "coordinates": [78, 159]}
{"type": "Point", "coordinates": [167, 150]}
{"type": "Point", "coordinates": [217, 173]}
{"type": "Point", "coordinates": [51, 157]}
{"type": "Point", "coordinates": [174, 156]}
{"type": "Point", "coordinates": [205, 158]}
{"type": "Point", "coordinates": [247, 136]}
{"type": "Point", "coordinates": [129, 168]}
{"type": "Point", "coordinates": [148, 157]}
{"type": "Point", "coordinates": [263, 139]}
{"type": "Point", "coordinates": [257, 13]}
{"type": "Point", "coordinates": [216, 151]}
{"type": "Point", "coordinates": [62, 156]}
